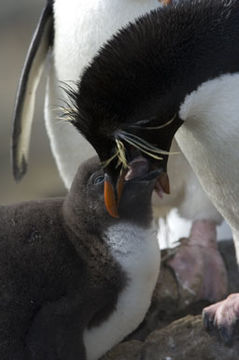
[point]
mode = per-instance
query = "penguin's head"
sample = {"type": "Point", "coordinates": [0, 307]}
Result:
{"type": "Point", "coordinates": [127, 107]}
{"type": "Point", "coordinates": [128, 101]}
{"type": "Point", "coordinates": [86, 197]}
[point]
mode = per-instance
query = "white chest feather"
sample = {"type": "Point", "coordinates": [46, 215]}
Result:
{"type": "Point", "coordinates": [209, 139]}
{"type": "Point", "coordinates": [137, 251]}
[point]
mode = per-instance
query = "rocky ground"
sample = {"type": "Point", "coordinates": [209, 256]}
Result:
{"type": "Point", "coordinates": [173, 329]}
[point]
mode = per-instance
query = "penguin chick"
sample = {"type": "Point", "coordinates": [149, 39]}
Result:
{"type": "Point", "coordinates": [75, 281]}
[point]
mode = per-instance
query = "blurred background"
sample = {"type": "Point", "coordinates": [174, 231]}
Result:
{"type": "Point", "coordinates": [17, 23]}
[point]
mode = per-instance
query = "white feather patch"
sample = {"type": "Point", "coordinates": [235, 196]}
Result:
{"type": "Point", "coordinates": [137, 251]}
{"type": "Point", "coordinates": [209, 139]}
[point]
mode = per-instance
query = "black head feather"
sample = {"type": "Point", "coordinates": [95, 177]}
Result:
{"type": "Point", "coordinates": [145, 71]}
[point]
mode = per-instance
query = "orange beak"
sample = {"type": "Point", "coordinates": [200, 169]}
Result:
{"type": "Point", "coordinates": [165, 2]}
{"type": "Point", "coordinates": [111, 203]}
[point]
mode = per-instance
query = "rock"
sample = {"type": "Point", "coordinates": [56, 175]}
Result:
{"type": "Point", "coordinates": [130, 350]}
{"type": "Point", "coordinates": [183, 339]}
{"type": "Point", "coordinates": [186, 339]}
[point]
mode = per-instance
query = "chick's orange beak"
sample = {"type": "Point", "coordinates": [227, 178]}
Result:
{"type": "Point", "coordinates": [112, 196]}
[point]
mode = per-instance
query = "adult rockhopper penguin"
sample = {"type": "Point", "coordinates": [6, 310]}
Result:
{"type": "Point", "coordinates": [174, 68]}
{"type": "Point", "coordinates": [67, 37]}
{"type": "Point", "coordinates": [73, 280]}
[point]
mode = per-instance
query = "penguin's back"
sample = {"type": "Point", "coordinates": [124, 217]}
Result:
{"type": "Point", "coordinates": [35, 248]}
{"type": "Point", "coordinates": [37, 265]}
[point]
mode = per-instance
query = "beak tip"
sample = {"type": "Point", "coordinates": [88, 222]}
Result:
{"type": "Point", "coordinates": [163, 181]}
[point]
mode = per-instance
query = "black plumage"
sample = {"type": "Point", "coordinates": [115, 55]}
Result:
{"type": "Point", "coordinates": [57, 274]}
{"type": "Point", "coordinates": [142, 75]}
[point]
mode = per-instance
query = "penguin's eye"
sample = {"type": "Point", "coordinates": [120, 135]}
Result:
{"type": "Point", "coordinates": [98, 179]}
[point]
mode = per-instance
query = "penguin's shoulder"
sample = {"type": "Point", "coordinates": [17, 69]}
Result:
{"type": "Point", "coordinates": [18, 221]}
{"type": "Point", "coordinates": [33, 239]}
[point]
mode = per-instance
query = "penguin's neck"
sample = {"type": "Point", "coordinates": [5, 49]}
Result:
{"type": "Point", "coordinates": [136, 251]}
{"type": "Point", "coordinates": [85, 233]}
{"type": "Point", "coordinates": [201, 60]}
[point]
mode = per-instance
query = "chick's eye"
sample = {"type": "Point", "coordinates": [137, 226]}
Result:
{"type": "Point", "coordinates": [98, 179]}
